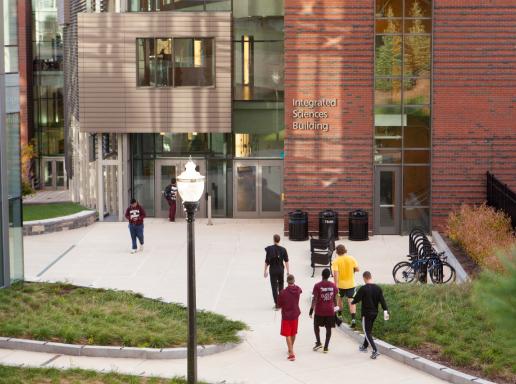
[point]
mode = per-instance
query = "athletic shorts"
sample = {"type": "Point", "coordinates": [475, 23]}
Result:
{"type": "Point", "coordinates": [324, 321]}
{"type": "Point", "coordinates": [349, 293]}
{"type": "Point", "coordinates": [289, 327]}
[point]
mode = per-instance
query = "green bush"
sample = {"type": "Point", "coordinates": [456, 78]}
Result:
{"type": "Point", "coordinates": [482, 232]}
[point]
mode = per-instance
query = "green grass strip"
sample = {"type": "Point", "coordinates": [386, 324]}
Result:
{"type": "Point", "coordinates": [69, 314]}
{"type": "Point", "coordinates": [49, 211]}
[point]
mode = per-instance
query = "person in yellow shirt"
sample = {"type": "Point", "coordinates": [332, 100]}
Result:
{"type": "Point", "coordinates": [344, 268]}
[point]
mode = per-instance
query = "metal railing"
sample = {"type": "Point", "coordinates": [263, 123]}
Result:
{"type": "Point", "coordinates": [500, 196]}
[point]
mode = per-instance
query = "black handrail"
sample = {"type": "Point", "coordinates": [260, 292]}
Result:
{"type": "Point", "coordinates": [500, 196]}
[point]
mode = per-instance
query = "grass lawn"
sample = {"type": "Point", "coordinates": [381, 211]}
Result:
{"type": "Point", "coordinates": [15, 375]}
{"type": "Point", "coordinates": [445, 324]}
{"type": "Point", "coordinates": [69, 314]}
{"type": "Point", "coordinates": [49, 211]}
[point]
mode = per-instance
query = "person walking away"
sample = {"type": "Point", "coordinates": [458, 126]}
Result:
{"type": "Point", "coordinates": [370, 295]}
{"type": "Point", "coordinates": [344, 268]}
{"type": "Point", "coordinates": [171, 197]}
{"type": "Point", "coordinates": [288, 301]}
{"type": "Point", "coordinates": [276, 260]}
{"type": "Point", "coordinates": [135, 215]}
{"type": "Point", "coordinates": [324, 301]}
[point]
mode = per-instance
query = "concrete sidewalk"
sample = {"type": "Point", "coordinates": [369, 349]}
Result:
{"type": "Point", "coordinates": [230, 280]}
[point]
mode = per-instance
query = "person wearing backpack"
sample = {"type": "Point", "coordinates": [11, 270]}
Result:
{"type": "Point", "coordinates": [276, 260]}
{"type": "Point", "coordinates": [171, 197]}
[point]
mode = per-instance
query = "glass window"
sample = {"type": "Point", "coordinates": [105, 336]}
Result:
{"type": "Point", "coordinates": [418, 8]}
{"type": "Point", "coordinates": [416, 133]}
{"type": "Point", "coordinates": [416, 185]}
{"type": "Point", "coordinates": [258, 8]}
{"type": "Point", "coordinates": [388, 26]}
{"type": "Point", "coordinates": [154, 62]}
{"type": "Point", "coordinates": [387, 156]}
{"type": "Point", "coordinates": [389, 8]}
{"type": "Point", "coordinates": [165, 5]}
{"type": "Point", "coordinates": [416, 91]}
{"type": "Point", "coordinates": [261, 28]}
{"type": "Point", "coordinates": [11, 59]}
{"type": "Point", "coordinates": [388, 55]}
{"type": "Point", "coordinates": [387, 91]}
{"type": "Point", "coordinates": [193, 62]}
{"type": "Point", "coordinates": [415, 26]}
{"type": "Point", "coordinates": [417, 55]}
{"type": "Point", "coordinates": [415, 217]}
{"type": "Point", "coordinates": [189, 5]}
{"type": "Point", "coordinates": [13, 153]}
{"type": "Point", "coordinates": [143, 184]}
{"type": "Point", "coordinates": [217, 173]}
{"type": "Point", "coordinates": [145, 53]}
{"type": "Point", "coordinates": [11, 25]}
{"type": "Point", "coordinates": [416, 157]}
{"type": "Point", "coordinates": [181, 143]}
{"type": "Point", "coordinates": [388, 137]}
{"type": "Point", "coordinates": [141, 5]}
{"type": "Point", "coordinates": [218, 5]}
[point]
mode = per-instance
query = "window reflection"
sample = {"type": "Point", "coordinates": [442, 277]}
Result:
{"type": "Point", "coordinates": [193, 62]}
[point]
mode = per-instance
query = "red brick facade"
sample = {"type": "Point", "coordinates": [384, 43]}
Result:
{"type": "Point", "coordinates": [474, 100]}
{"type": "Point", "coordinates": [329, 54]}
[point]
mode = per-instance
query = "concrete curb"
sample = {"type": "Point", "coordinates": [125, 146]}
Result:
{"type": "Point", "coordinates": [63, 223]}
{"type": "Point", "coordinates": [112, 352]}
{"type": "Point", "coordinates": [462, 275]}
{"type": "Point", "coordinates": [440, 371]}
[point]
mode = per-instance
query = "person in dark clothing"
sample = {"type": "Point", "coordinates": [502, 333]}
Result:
{"type": "Point", "coordinates": [171, 197]}
{"type": "Point", "coordinates": [276, 260]}
{"type": "Point", "coordinates": [135, 215]}
{"type": "Point", "coordinates": [370, 295]}
{"type": "Point", "coordinates": [324, 302]}
{"type": "Point", "coordinates": [288, 301]}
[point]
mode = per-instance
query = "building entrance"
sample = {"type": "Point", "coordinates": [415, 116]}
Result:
{"type": "Point", "coordinates": [166, 169]}
{"type": "Point", "coordinates": [387, 200]}
{"type": "Point", "coordinates": [258, 185]}
{"type": "Point", "coordinates": [53, 173]}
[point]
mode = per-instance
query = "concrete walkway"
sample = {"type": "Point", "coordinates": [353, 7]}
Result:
{"type": "Point", "coordinates": [230, 281]}
{"type": "Point", "coordinates": [46, 197]}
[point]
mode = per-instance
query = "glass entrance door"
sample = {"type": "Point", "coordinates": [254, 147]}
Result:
{"type": "Point", "coordinates": [387, 200]}
{"type": "Point", "coordinates": [53, 173]}
{"type": "Point", "coordinates": [165, 171]}
{"type": "Point", "coordinates": [258, 185]}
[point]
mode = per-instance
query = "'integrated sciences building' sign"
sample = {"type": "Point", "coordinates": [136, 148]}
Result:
{"type": "Point", "coordinates": [312, 115]}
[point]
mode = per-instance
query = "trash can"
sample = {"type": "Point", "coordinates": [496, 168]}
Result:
{"type": "Point", "coordinates": [298, 225]}
{"type": "Point", "coordinates": [358, 225]}
{"type": "Point", "coordinates": [328, 225]}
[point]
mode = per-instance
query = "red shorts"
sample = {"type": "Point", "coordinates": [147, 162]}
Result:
{"type": "Point", "coordinates": [289, 327]}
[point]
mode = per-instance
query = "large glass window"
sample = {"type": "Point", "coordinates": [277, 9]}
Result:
{"type": "Point", "coordinates": [403, 99]}
{"type": "Point", "coordinates": [175, 62]}
{"type": "Point", "coordinates": [179, 5]}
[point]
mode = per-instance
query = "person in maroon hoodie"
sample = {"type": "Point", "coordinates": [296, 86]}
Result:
{"type": "Point", "coordinates": [288, 301]}
{"type": "Point", "coordinates": [135, 214]}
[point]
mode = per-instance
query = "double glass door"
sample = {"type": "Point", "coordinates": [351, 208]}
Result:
{"type": "Point", "coordinates": [387, 200]}
{"type": "Point", "coordinates": [165, 171]}
{"type": "Point", "coordinates": [53, 173]}
{"type": "Point", "coordinates": [258, 186]}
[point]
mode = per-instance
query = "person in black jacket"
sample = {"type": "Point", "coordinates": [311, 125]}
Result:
{"type": "Point", "coordinates": [276, 260]}
{"type": "Point", "coordinates": [370, 295]}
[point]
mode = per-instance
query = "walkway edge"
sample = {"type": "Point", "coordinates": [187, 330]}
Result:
{"type": "Point", "coordinates": [62, 223]}
{"type": "Point", "coordinates": [440, 371]}
{"type": "Point", "coordinates": [112, 352]}
{"type": "Point", "coordinates": [452, 260]}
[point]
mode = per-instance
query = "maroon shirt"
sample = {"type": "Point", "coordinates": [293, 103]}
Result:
{"type": "Point", "coordinates": [135, 215]}
{"type": "Point", "coordinates": [324, 294]}
{"type": "Point", "coordinates": [288, 301]}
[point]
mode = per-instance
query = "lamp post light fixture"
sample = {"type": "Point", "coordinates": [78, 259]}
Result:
{"type": "Point", "coordinates": [190, 185]}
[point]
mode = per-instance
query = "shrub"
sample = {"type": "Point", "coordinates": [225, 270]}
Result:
{"type": "Point", "coordinates": [482, 232]}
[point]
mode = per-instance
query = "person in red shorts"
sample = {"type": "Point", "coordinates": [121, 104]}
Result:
{"type": "Point", "coordinates": [288, 301]}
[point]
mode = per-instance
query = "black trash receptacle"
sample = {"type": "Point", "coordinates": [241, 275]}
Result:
{"type": "Point", "coordinates": [358, 225]}
{"type": "Point", "coordinates": [328, 224]}
{"type": "Point", "coordinates": [298, 225]}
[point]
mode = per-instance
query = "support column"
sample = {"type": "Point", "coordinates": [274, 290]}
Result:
{"type": "Point", "coordinates": [120, 176]}
{"type": "Point", "coordinates": [100, 178]}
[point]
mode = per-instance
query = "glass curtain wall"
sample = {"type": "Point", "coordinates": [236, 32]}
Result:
{"type": "Point", "coordinates": [403, 38]}
{"type": "Point", "coordinates": [48, 79]}
{"type": "Point", "coordinates": [179, 5]}
{"type": "Point", "coordinates": [258, 75]}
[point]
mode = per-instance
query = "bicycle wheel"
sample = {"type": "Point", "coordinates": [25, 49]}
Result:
{"type": "Point", "coordinates": [442, 273]}
{"type": "Point", "coordinates": [403, 272]}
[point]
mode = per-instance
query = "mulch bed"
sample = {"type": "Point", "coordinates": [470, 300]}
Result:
{"type": "Point", "coordinates": [469, 265]}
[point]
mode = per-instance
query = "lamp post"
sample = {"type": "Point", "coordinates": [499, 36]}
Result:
{"type": "Point", "coordinates": [190, 185]}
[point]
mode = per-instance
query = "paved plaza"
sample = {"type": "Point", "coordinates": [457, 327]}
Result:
{"type": "Point", "coordinates": [230, 281]}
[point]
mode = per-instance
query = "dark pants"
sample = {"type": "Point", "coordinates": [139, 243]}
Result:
{"type": "Point", "coordinates": [318, 334]}
{"type": "Point", "coordinates": [136, 231]}
{"type": "Point", "coordinates": [171, 210]}
{"type": "Point", "coordinates": [367, 325]}
{"type": "Point", "coordinates": [276, 284]}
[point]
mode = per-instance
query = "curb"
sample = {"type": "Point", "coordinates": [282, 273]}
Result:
{"type": "Point", "coordinates": [62, 223]}
{"type": "Point", "coordinates": [440, 371]}
{"type": "Point", "coordinates": [462, 275]}
{"type": "Point", "coordinates": [112, 352]}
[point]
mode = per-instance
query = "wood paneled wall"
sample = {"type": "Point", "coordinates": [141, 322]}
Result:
{"type": "Point", "coordinates": [109, 99]}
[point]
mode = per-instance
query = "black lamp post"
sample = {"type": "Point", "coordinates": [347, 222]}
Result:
{"type": "Point", "coordinates": [190, 185]}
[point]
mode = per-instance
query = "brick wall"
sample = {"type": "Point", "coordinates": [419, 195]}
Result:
{"type": "Point", "coordinates": [25, 69]}
{"type": "Point", "coordinates": [329, 54]}
{"type": "Point", "coordinates": [474, 100]}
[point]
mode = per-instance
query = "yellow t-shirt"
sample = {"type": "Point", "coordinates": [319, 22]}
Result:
{"type": "Point", "coordinates": [345, 265]}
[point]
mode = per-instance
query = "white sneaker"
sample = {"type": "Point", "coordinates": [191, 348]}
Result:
{"type": "Point", "coordinates": [141, 248]}
{"type": "Point", "coordinates": [133, 251]}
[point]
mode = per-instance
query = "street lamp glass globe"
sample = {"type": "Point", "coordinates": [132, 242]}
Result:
{"type": "Point", "coordinates": [190, 183]}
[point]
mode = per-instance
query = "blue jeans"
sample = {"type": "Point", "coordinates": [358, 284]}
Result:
{"type": "Point", "coordinates": [136, 231]}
